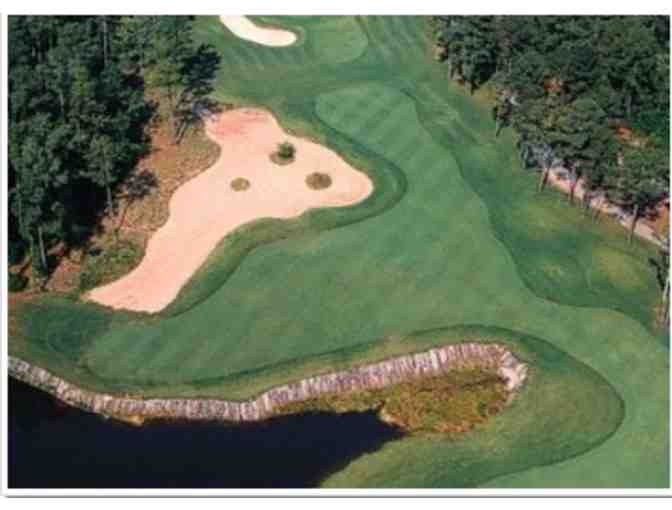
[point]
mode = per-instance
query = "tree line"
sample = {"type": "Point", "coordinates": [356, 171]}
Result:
{"type": "Point", "coordinates": [79, 114]}
{"type": "Point", "coordinates": [564, 84]}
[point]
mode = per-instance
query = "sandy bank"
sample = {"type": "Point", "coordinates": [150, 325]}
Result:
{"type": "Point", "coordinates": [206, 208]}
{"type": "Point", "coordinates": [242, 27]}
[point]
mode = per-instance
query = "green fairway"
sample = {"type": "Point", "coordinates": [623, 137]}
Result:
{"type": "Point", "coordinates": [453, 235]}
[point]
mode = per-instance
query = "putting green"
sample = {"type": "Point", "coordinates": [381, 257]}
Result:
{"type": "Point", "coordinates": [324, 30]}
{"type": "Point", "coordinates": [454, 234]}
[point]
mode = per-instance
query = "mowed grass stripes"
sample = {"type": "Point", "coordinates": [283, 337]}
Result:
{"type": "Point", "coordinates": [419, 220]}
{"type": "Point", "coordinates": [454, 234]}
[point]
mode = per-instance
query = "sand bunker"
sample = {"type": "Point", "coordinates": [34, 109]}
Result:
{"type": "Point", "coordinates": [206, 208]}
{"type": "Point", "coordinates": [242, 27]}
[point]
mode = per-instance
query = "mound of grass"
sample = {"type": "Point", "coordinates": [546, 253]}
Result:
{"type": "Point", "coordinates": [318, 180]}
{"type": "Point", "coordinates": [240, 184]}
{"type": "Point", "coordinates": [112, 263]}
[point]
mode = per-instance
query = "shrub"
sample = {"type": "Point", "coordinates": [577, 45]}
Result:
{"type": "Point", "coordinates": [318, 180]}
{"type": "Point", "coordinates": [285, 153]}
{"type": "Point", "coordinates": [286, 150]}
{"type": "Point", "coordinates": [16, 282]}
{"type": "Point", "coordinates": [112, 263]}
{"type": "Point", "coordinates": [240, 184]}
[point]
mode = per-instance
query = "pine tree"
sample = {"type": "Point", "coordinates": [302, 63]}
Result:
{"type": "Point", "coordinates": [76, 125]}
{"type": "Point", "coordinates": [583, 141]}
{"type": "Point", "coordinates": [470, 44]}
{"type": "Point", "coordinates": [639, 182]}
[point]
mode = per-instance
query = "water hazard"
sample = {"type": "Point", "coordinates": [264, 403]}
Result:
{"type": "Point", "coordinates": [55, 446]}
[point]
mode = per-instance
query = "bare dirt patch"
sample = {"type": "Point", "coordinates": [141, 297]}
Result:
{"type": "Point", "coordinates": [205, 209]}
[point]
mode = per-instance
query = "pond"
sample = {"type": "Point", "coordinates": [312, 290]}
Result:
{"type": "Point", "coordinates": [52, 445]}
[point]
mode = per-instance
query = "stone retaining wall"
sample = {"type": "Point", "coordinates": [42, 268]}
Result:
{"type": "Point", "coordinates": [493, 357]}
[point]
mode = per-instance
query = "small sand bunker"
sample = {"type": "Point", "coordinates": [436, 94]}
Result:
{"type": "Point", "coordinates": [242, 27]}
{"type": "Point", "coordinates": [206, 208]}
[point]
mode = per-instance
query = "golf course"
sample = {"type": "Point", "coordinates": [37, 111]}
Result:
{"type": "Point", "coordinates": [446, 241]}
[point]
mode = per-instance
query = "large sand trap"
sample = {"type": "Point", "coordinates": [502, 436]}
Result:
{"type": "Point", "coordinates": [205, 209]}
{"type": "Point", "coordinates": [242, 27]}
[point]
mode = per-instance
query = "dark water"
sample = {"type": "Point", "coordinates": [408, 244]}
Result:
{"type": "Point", "coordinates": [54, 446]}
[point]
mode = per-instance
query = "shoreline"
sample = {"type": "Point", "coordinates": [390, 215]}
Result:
{"type": "Point", "coordinates": [136, 411]}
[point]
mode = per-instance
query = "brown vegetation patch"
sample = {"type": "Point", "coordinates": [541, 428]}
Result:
{"type": "Point", "coordinates": [165, 169]}
{"type": "Point", "coordinates": [206, 209]}
{"type": "Point", "coordinates": [240, 184]}
{"type": "Point", "coordinates": [659, 218]}
{"type": "Point", "coordinates": [142, 202]}
{"type": "Point", "coordinates": [452, 403]}
{"type": "Point", "coordinates": [318, 180]}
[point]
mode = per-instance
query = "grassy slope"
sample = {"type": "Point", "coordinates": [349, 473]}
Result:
{"type": "Point", "coordinates": [547, 422]}
{"type": "Point", "coordinates": [469, 243]}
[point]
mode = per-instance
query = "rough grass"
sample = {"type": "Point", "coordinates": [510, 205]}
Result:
{"type": "Point", "coordinates": [454, 234]}
{"type": "Point", "coordinates": [451, 404]}
{"type": "Point", "coordinates": [545, 423]}
{"type": "Point", "coordinates": [113, 262]}
{"type": "Point", "coordinates": [535, 227]}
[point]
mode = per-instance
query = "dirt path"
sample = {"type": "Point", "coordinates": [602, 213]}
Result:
{"type": "Point", "coordinates": [558, 177]}
{"type": "Point", "coordinates": [242, 27]}
{"type": "Point", "coordinates": [206, 208]}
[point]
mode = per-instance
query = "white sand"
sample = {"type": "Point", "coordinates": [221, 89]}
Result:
{"type": "Point", "coordinates": [205, 209]}
{"type": "Point", "coordinates": [242, 27]}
